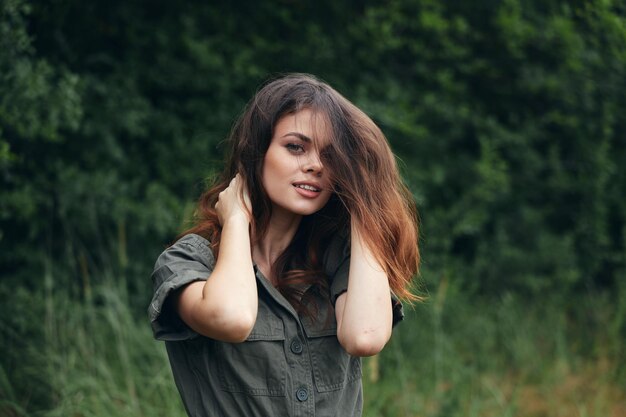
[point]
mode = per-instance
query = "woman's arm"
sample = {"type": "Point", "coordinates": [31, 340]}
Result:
{"type": "Point", "coordinates": [224, 307]}
{"type": "Point", "coordinates": [364, 312]}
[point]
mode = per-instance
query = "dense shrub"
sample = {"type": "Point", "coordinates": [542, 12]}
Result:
{"type": "Point", "coordinates": [507, 116]}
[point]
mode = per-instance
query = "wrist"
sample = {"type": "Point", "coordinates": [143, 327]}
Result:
{"type": "Point", "coordinates": [237, 219]}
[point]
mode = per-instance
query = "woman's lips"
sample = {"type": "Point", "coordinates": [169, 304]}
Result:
{"type": "Point", "coordinates": [307, 190]}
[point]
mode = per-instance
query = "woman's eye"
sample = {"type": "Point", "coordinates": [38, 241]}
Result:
{"type": "Point", "coordinates": [295, 148]}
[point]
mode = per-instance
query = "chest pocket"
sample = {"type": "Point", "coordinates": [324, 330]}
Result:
{"type": "Point", "coordinates": [333, 367]}
{"type": "Point", "coordinates": [257, 366]}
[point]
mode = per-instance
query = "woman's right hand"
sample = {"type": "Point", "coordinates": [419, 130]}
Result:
{"type": "Point", "coordinates": [225, 306]}
{"type": "Point", "coordinates": [234, 201]}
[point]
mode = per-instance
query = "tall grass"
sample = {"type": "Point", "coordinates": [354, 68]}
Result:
{"type": "Point", "coordinates": [92, 357]}
{"type": "Point", "coordinates": [452, 356]}
{"type": "Point", "coordinates": [508, 356]}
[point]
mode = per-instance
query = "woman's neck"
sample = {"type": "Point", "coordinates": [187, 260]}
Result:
{"type": "Point", "coordinates": [279, 234]}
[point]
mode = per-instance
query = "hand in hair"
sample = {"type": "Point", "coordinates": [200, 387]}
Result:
{"type": "Point", "coordinates": [224, 307]}
{"type": "Point", "coordinates": [234, 201]}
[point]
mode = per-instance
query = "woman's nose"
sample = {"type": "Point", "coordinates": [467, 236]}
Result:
{"type": "Point", "coordinates": [313, 164]}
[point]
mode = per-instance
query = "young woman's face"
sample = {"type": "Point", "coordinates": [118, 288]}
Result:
{"type": "Point", "coordinates": [293, 175]}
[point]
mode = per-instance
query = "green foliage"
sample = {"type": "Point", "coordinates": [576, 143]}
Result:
{"type": "Point", "coordinates": [507, 121]}
{"type": "Point", "coordinates": [506, 356]}
{"type": "Point", "coordinates": [71, 358]}
{"type": "Point", "coordinates": [454, 356]}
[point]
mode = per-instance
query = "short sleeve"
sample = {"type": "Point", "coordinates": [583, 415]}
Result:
{"type": "Point", "coordinates": [189, 259]}
{"type": "Point", "coordinates": [337, 267]}
{"type": "Point", "coordinates": [336, 262]}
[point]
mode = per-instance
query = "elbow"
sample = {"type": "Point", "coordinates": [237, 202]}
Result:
{"type": "Point", "coordinates": [364, 344]}
{"type": "Point", "coordinates": [229, 325]}
{"type": "Point", "coordinates": [239, 328]}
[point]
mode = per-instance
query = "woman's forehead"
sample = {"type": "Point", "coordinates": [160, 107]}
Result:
{"type": "Point", "coordinates": [314, 125]}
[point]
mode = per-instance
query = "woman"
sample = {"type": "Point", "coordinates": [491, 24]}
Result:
{"type": "Point", "coordinates": [296, 263]}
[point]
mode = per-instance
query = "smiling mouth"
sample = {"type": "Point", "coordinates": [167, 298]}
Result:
{"type": "Point", "coordinates": [308, 187]}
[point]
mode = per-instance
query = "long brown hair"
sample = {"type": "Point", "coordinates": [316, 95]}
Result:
{"type": "Point", "coordinates": [366, 187]}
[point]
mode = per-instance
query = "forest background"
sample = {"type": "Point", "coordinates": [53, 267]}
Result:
{"type": "Point", "coordinates": [508, 118]}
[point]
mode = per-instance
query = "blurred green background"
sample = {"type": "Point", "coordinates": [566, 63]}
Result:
{"type": "Point", "coordinates": [508, 118]}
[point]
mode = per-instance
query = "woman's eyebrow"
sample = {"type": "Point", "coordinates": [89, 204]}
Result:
{"type": "Point", "coordinates": [300, 136]}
